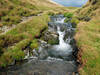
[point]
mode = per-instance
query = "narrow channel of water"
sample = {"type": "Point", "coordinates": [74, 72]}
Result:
{"type": "Point", "coordinates": [58, 59]}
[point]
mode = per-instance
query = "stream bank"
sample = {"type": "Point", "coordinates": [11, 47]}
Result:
{"type": "Point", "coordinates": [59, 58]}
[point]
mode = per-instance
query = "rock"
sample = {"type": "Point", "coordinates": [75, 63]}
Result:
{"type": "Point", "coordinates": [51, 37]}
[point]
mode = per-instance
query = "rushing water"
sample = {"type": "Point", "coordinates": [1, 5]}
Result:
{"type": "Point", "coordinates": [71, 3]}
{"type": "Point", "coordinates": [58, 59]}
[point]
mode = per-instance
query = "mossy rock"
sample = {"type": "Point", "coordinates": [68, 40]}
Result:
{"type": "Point", "coordinates": [53, 41]}
{"type": "Point", "coordinates": [51, 37]}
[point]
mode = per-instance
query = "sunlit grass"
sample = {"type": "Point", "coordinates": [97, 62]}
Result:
{"type": "Point", "coordinates": [14, 41]}
{"type": "Point", "coordinates": [88, 39]}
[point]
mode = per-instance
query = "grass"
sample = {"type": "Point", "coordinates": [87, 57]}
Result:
{"type": "Point", "coordinates": [14, 41]}
{"type": "Point", "coordinates": [88, 41]}
{"type": "Point", "coordinates": [68, 15]}
{"type": "Point", "coordinates": [12, 11]}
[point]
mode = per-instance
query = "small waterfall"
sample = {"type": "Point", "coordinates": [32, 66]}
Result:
{"type": "Point", "coordinates": [62, 44]}
{"type": "Point", "coordinates": [60, 20]}
{"type": "Point", "coordinates": [61, 36]}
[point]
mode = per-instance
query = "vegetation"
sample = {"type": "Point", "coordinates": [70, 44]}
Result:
{"type": "Point", "coordinates": [68, 15]}
{"type": "Point", "coordinates": [16, 40]}
{"type": "Point", "coordinates": [53, 41]}
{"type": "Point", "coordinates": [12, 11]}
{"type": "Point", "coordinates": [74, 22]}
{"type": "Point", "coordinates": [34, 44]}
{"type": "Point", "coordinates": [88, 38]}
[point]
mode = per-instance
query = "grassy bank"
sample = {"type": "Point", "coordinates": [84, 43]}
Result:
{"type": "Point", "coordinates": [88, 38]}
{"type": "Point", "coordinates": [13, 43]}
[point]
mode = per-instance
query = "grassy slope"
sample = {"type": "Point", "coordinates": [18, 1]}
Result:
{"type": "Point", "coordinates": [12, 11]}
{"type": "Point", "coordinates": [18, 38]}
{"type": "Point", "coordinates": [88, 39]}
{"type": "Point", "coordinates": [14, 42]}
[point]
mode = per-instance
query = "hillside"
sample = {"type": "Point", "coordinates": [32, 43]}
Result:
{"type": "Point", "coordinates": [88, 38]}
{"type": "Point", "coordinates": [12, 11]}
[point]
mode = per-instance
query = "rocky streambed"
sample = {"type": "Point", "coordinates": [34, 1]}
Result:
{"type": "Point", "coordinates": [57, 54]}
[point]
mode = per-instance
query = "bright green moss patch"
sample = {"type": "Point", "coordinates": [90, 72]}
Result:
{"type": "Point", "coordinates": [34, 44]}
{"type": "Point", "coordinates": [53, 41]}
{"type": "Point", "coordinates": [68, 15]}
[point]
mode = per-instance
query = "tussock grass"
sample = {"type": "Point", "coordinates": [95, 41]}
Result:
{"type": "Point", "coordinates": [12, 11]}
{"type": "Point", "coordinates": [88, 40]}
{"type": "Point", "coordinates": [14, 41]}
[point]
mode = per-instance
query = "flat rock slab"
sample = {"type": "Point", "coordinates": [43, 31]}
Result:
{"type": "Point", "coordinates": [37, 67]}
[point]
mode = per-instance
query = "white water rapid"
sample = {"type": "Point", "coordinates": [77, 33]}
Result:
{"type": "Point", "coordinates": [63, 46]}
{"type": "Point", "coordinates": [60, 20]}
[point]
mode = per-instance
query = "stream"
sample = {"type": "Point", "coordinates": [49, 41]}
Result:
{"type": "Point", "coordinates": [57, 59]}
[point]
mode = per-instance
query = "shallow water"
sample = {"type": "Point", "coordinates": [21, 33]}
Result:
{"type": "Point", "coordinates": [71, 3]}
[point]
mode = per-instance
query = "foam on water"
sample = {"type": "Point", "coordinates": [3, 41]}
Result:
{"type": "Point", "coordinates": [63, 46]}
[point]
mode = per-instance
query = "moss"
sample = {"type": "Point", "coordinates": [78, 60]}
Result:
{"type": "Point", "coordinates": [66, 20]}
{"type": "Point", "coordinates": [74, 22]}
{"type": "Point", "coordinates": [53, 41]}
{"type": "Point", "coordinates": [68, 15]}
{"type": "Point", "coordinates": [34, 44]}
